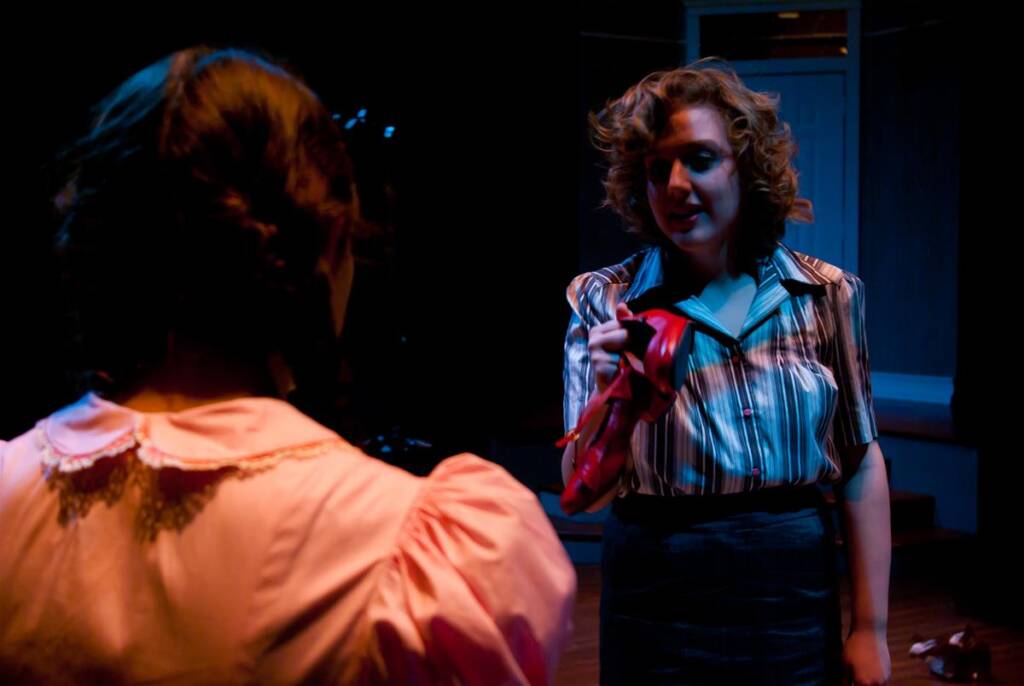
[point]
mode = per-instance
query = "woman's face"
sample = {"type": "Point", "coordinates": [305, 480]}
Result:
{"type": "Point", "coordinates": [693, 186]}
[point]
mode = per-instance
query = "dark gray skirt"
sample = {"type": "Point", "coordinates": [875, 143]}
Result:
{"type": "Point", "coordinates": [738, 589]}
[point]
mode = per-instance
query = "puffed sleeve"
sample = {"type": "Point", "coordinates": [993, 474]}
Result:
{"type": "Point", "coordinates": [479, 589]}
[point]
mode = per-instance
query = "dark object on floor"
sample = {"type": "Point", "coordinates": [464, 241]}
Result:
{"type": "Point", "coordinates": [956, 657]}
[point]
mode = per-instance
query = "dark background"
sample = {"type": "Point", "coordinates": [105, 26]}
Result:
{"type": "Point", "coordinates": [456, 325]}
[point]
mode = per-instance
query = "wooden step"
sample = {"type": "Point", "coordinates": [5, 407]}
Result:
{"type": "Point", "coordinates": [908, 511]}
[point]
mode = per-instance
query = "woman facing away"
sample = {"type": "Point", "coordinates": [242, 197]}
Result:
{"type": "Point", "coordinates": [179, 523]}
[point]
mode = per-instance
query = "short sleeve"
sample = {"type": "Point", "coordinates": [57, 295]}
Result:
{"type": "Point", "coordinates": [854, 422]}
{"type": "Point", "coordinates": [577, 373]}
{"type": "Point", "coordinates": [479, 589]}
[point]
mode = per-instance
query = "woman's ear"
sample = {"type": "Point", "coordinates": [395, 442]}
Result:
{"type": "Point", "coordinates": [338, 262]}
{"type": "Point", "coordinates": [340, 277]}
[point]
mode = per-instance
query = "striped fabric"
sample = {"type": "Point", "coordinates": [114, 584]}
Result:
{"type": "Point", "coordinates": [766, 409]}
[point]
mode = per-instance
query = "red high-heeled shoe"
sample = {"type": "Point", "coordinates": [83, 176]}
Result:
{"type": "Point", "coordinates": [632, 395]}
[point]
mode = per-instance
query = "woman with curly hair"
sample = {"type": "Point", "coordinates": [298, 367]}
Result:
{"type": "Point", "coordinates": [718, 561]}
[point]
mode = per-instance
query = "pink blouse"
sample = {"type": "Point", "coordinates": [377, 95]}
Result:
{"type": "Point", "coordinates": [243, 542]}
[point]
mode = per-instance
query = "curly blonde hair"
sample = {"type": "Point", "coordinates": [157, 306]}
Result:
{"type": "Point", "coordinates": [626, 129]}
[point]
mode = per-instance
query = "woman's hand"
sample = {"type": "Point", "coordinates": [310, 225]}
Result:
{"type": "Point", "coordinates": [605, 345]}
{"type": "Point", "coordinates": [866, 656]}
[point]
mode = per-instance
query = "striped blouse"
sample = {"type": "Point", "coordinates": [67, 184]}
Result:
{"type": "Point", "coordinates": [768, 408]}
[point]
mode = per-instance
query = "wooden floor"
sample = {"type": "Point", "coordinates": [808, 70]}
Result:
{"type": "Point", "coordinates": [917, 607]}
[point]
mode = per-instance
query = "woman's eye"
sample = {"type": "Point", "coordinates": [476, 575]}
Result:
{"type": "Point", "coordinates": [702, 161]}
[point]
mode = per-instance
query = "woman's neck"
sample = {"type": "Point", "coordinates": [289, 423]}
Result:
{"type": "Point", "coordinates": [691, 272]}
{"type": "Point", "coordinates": [192, 375]}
